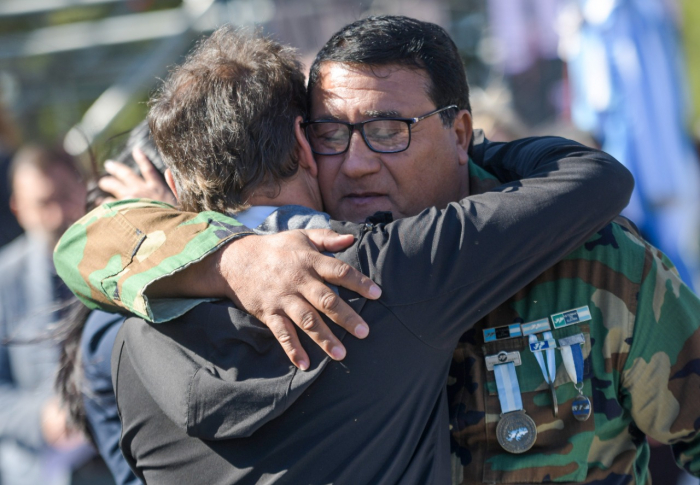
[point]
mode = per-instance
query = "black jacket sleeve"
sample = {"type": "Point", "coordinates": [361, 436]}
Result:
{"type": "Point", "coordinates": [443, 270]}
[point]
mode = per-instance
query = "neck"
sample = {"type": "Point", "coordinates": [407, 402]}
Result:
{"type": "Point", "coordinates": [465, 183]}
{"type": "Point", "coordinates": [301, 190]}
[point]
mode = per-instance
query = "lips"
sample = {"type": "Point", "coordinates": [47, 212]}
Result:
{"type": "Point", "coordinates": [362, 198]}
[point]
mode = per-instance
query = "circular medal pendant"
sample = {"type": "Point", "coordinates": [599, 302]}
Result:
{"type": "Point", "coordinates": [516, 432]}
{"type": "Point", "coordinates": [581, 408]}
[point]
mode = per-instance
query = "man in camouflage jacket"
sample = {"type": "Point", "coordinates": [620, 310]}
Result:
{"type": "Point", "coordinates": [641, 348]}
{"type": "Point", "coordinates": [641, 351]}
{"type": "Point", "coordinates": [606, 275]}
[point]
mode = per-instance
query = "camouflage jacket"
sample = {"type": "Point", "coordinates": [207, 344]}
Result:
{"type": "Point", "coordinates": [118, 284]}
{"type": "Point", "coordinates": [640, 348]}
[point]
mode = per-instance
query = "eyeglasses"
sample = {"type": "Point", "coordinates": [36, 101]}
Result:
{"type": "Point", "coordinates": [382, 135]}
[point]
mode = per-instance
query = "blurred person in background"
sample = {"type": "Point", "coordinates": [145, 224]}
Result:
{"type": "Point", "coordinates": [85, 379]}
{"type": "Point", "coordinates": [9, 139]}
{"type": "Point", "coordinates": [48, 195]}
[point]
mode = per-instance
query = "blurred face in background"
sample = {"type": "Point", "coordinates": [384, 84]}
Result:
{"type": "Point", "coordinates": [46, 202]}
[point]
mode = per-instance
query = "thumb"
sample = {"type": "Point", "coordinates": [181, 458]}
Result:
{"type": "Point", "coordinates": [327, 240]}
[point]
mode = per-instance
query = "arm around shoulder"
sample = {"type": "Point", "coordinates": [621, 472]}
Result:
{"type": "Point", "coordinates": [112, 254]}
{"type": "Point", "coordinates": [473, 255]}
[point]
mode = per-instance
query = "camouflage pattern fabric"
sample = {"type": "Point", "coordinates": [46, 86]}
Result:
{"type": "Point", "coordinates": [642, 345]}
{"type": "Point", "coordinates": [108, 258]}
{"type": "Point", "coordinates": [641, 369]}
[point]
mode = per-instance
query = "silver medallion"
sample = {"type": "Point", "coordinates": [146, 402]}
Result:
{"type": "Point", "coordinates": [581, 407]}
{"type": "Point", "coordinates": [516, 432]}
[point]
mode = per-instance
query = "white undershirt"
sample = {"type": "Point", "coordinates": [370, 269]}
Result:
{"type": "Point", "coordinates": [256, 215]}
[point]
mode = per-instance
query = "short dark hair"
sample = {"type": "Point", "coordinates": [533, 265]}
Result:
{"type": "Point", "coordinates": [392, 39]}
{"type": "Point", "coordinates": [224, 119]}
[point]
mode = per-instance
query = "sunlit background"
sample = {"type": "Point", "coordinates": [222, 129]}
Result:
{"type": "Point", "coordinates": [623, 75]}
{"type": "Point", "coordinates": [614, 73]}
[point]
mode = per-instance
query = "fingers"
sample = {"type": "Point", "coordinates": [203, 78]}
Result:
{"type": "Point", "coordinates": [330, 304]}
{"type": "Point", "coordinates": [335, 271]}
{"type": "Point", "coordinates": [149, 172]}
{"type": "Point", "coordinates": [122, 173]}
{"type": "Point", "coordinates": [327, 240]}
{"type": "Point", "coordinates": [342, 274]}
{"type": "Point", "coordinates": [284, 275]}
{"type": "Point", "coordinates": [308, 319]}
{"type": "Point", "coordinates": [125, 183]}
{"type": "Point", "coordinates": [286, 335]}
{"type": "Point", "coordinates": [113, 186]}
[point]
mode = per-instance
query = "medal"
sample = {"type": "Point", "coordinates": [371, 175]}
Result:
{"type": "Point", "coordinates": [549, 370]}
{"type": "Point", "coordinates": [516, 330]}
{"type": "Point", "coordinates": [504, 332]}
{"type": "Point", "coordinates": [502, 357]}
{"type": "Point", "coordinates": [581, 407]}
{"type": "Point", "coordinates": [538, 326]}
{"type": "Point", "coordinates": [572, 355]}
{"type": "Point", "coordinates": [569, 317]}
{"type": "Point", "coordinates": [516, 432]}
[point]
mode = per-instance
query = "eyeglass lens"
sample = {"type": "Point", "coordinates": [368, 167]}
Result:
{"type": "Point", "coordinates": [328, 138]}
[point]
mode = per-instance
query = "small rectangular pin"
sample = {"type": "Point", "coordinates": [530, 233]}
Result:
{"type": "Point", "coordinates": [504, 332]}
{"type": "Point", "coordinates": [543, 345]}
{"type": "Point", "coordinates": [569, 317]}
{"type": "Point", "coordinates": [579, 338]}
{"type": "Point", "coordinates": [502, 358]}
{"type": "Point", "coordinates": [538, 326]}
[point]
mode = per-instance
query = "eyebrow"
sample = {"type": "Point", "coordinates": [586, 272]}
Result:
{"type": "Point", "coordinates": [326, 118]}
{"type": "Point", "coordinates": [369, 114]}
{"type": "Point", "coordinates": [382, 114]}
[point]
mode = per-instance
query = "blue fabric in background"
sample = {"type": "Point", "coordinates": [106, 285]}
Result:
{"type": "Point", "coordinates": [629, 89]}
{"type": "Point", "coordinates": [100, 404]}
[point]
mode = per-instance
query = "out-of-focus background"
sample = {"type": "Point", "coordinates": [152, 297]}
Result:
{"type": "Point", "coordinates": [623, 75]}
{"type": "Point", "coordinates": [620, 74]}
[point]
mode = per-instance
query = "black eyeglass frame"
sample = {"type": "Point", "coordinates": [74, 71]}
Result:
{"type": "Point", "coordinates": [360, 126]}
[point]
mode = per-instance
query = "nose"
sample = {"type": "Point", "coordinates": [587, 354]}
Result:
{"type": "Point", "coordinates": [359, 159]}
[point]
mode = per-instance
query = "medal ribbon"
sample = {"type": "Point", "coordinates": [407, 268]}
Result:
{"type": "Point", "coordinates": [572, 355]}
{"type": "Point", "coordinates": [549, 371]}
{"type": "Point", "coordinates": [508, 387]}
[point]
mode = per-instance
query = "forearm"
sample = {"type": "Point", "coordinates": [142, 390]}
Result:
{"type": "Point", "coordinates": [523, 158]}
{"type": "Point", "coordinates": [201, 279]}
{"type": "Point", "coordinates": [473, 255]}
{"type": "Point", "coordinates": [114, 253]}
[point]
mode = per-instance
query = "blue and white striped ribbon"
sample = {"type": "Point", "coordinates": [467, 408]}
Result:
{"type": "Point", "coordinates": [550, 370]}
{"type": "Point", "coordinates": [572, 355]}
{"type": "Point", "coordinates": [508, 387]}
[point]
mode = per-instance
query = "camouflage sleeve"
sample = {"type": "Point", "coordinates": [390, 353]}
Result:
{"type": "Point", "coordinates": [660, 380]}
{"type": "Point", "coordinates": [109, 257]}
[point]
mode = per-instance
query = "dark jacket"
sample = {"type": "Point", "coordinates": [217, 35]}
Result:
{"type": "Point", "coordinates": [211, 397]}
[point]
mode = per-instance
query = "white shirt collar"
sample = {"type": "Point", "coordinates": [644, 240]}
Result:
{"type": "Point", "coordinates": [255, 215]}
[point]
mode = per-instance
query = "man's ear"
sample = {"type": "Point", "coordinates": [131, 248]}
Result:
{"type": "Point", "coordinates": [462, 127]}
{"type": "Point", "coordinates": [304, 153]}
{"type": "Point", "coordinates": [170, 180]}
